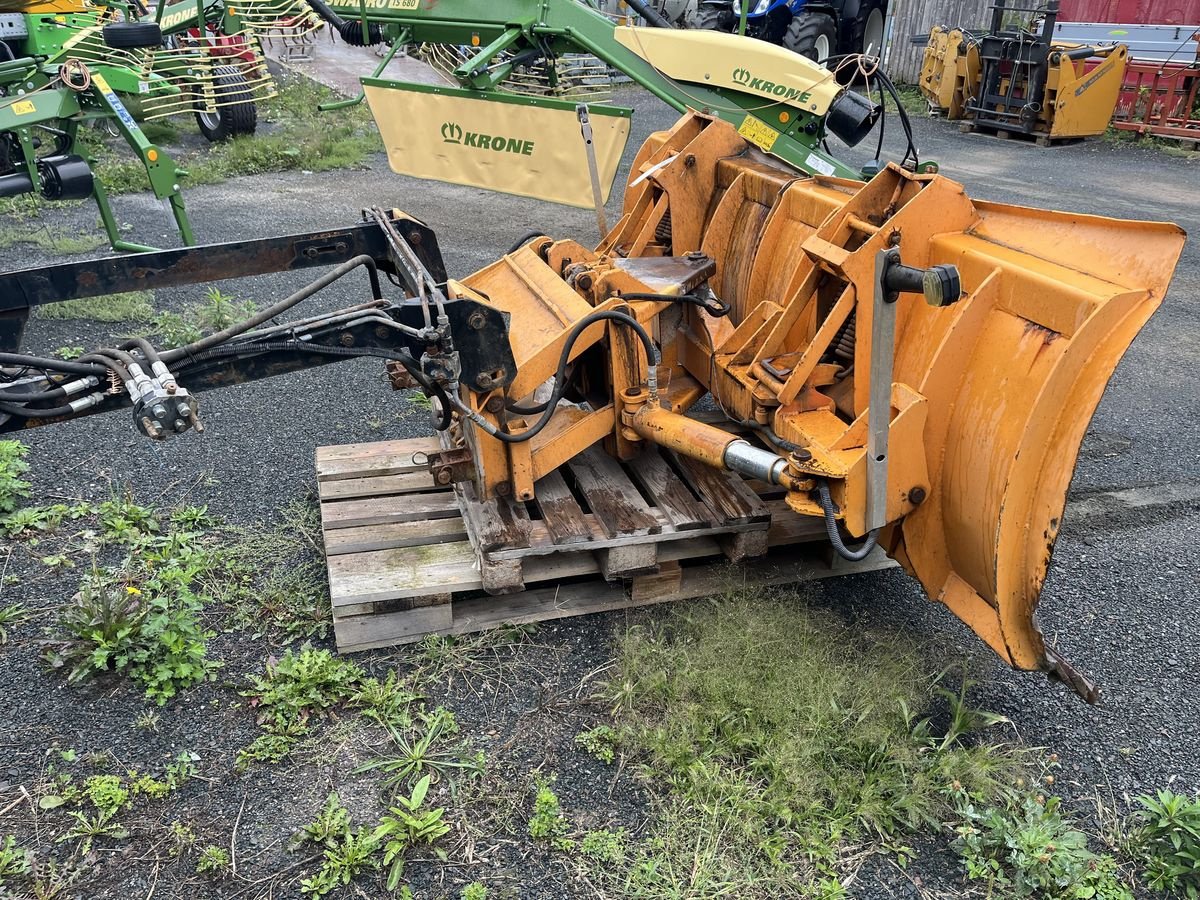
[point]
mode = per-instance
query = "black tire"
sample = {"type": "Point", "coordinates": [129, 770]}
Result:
{"type": "Point", "coordinates": [812, 34]}
{"type": "Point", "coordinates": [236, 112]}
{"type": "Point", "coordinates": [875, 15]}
{"type": "Point", "coordinates": [131, 35]}
{"type": "Point", "coordinates": [712, 17]}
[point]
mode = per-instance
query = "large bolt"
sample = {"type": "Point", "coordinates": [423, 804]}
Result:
{"type": "Point", "coordinates": [442, 475]}
{"type": "Point", "coordinates": [503, 489]}
{"type": "Point", "coordinates": [477, 321]}
{"type": "Point", "coordinates": [494, 404]}
{"type": "Point", "coordinates": [916, 496]}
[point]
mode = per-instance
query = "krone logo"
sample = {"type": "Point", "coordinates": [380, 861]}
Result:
{"type": "Point", "coordinates": [741, 76]}
{"type": "Point", "coordinates": [451, 133]}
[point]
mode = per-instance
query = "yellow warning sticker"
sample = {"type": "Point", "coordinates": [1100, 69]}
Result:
{"type": "Point", "coordinates": [23, 108]}
{"type": "Point", "coordinates": [758, 133]}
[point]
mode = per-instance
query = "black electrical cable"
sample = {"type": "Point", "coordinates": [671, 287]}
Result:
{"type": "Point", "coordinates": [715, 308]}
{"type": "Point", "coordinates": [859, 553]}
{"type": "Point", "coordinates": [219, 337]}
{"type": "Point", "coordinates": [524, 239]}
{"type": "Point", "coordinates": [560, 382]}
{"type": "Point", "coordinates": [769, 433]}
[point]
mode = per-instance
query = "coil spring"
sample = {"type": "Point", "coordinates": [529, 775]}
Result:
{"type": "Point", "coordinates": [843, 344]}
{"type": "Point", "coordinates": [662, 234]}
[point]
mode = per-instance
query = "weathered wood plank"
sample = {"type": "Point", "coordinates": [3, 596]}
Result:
{"type": "Point", "coordinates": [379, 486]}
{"type": "Point", "coordinates": [378, 458]}
{"type": "Point", "coordinates": [382, 510]}
{"type": "Point", "coordinates": [725, 492]}
{"type": "Point", "coordinates": [615, 502]}
{"type": "Point", "coordinates": [670, 494]}
{"type": "Point", "coordinates": [393, 535]}
{"type": "Point", "coordinates": [407, 572]}
{"type": "Point", "coordinates": [561, 513]}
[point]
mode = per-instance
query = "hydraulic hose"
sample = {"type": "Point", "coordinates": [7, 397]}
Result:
{"type": "Point", "coordinates": [523, 240]}
{"type": "Point", "coordinates": [74, 367]}
{"type": "Point", "coordinates": [859, 553]}
{"type": "Point", "coordinates": [560, 382]}
{"type": "Point", "coordinates": [219, 337]}
{"type": "Point", "coordinates": [350, 32]}
{"type": "Point", "coordinates": [715, 308]}
{"type": "Point", "coordinates": [649, 13]}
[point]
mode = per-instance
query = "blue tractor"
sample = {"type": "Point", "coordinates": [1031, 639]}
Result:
{"type": "Point", "coordinates": [818, 29]}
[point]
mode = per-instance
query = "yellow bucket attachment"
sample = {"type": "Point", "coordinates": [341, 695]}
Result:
{"type": "Point", "coordinates": [990, 396]}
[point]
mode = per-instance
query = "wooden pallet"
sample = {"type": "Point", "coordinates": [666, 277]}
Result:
{"type": "Point", "coordinates": [407, 557]}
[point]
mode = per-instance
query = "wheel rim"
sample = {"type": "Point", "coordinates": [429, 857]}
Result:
{"type": "Point", "coordinates": [210, 120]}
{"type": "Point", "coordinates": [822, 48]}
{"type": "Point", "coordinates": [873, 34]}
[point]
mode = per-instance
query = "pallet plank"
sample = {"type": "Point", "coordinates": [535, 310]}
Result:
{"type": "Point", "coordinates": [671, 496]}
{"type": "Point", "coordinates": [393, 535]}
{"type": "Point", "coordinates": [561, 513]}
{"type": "Point", "coordinates": [379, 486]}
{"type": "Point", "coordinates": [616, 503]}
{"type": "Point", "coordinates": [382, 510]}
{"type": "Point", "coordinates": [724, 491]}
{"type": "Point", "coordinates": [408, 572]}
{"type": "Point", "coordinates": [377, 458]}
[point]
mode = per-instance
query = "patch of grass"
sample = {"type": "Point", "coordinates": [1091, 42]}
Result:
{"type": "Point", "coordinates": [432, 752]}
{"type": "Point", "coordinates": [911, 99]}
{"type": "Point", "coordinates": [48, 238]}
{"type": "Point", "coordinates": [292, 136]}
{"type": "Point", "coordinates": [218, 310]}
{"type": "Point", "coordinates": [775, 740]}
{"type": "Point", "coordinates": [134, 306]}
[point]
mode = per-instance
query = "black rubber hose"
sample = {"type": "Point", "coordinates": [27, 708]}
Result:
{"type": "Point", "coordinates": [73, 367]}
{"type": "Point", "coordinates": [145, 346]}
{"type": "Point", "coordinates": [219, 337]}
{"type": "Point", "coordinates": [431, 387]}
{"type": "Point", "coordinates": [23, 413]}
{"type": "Point", "coordinates": [351, 31]}
{"type": "Point", "coordinates": [560, 382]}
{"type": "Point", "coordinates": [831, 528]}
{"type": "Point", "coordinates": [715, 308]}
{"type": "Point", "coordinates": [524, 239]}
{"type": "Point", "coordinates": [53, 393]}
{"type": "Point", "coordinates": [110, 364]}
{"type": "Point", "coordinates": [649, 13]}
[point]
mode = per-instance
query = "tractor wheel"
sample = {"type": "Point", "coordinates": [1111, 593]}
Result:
{"type": "Point", "coordinates": [868, 31]}
{"type": "Point", "coordinates": [712, 17]}
{"type": "Point", "coordinates": [132, 35]}
{"type": "Point", "coordinates": [236, 112]}
{"type": "Point", "coordinates": [811, 34]}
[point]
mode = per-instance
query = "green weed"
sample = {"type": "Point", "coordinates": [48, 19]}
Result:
{"type": "Point", "coordinates": [13, 488]}
{"type": "Point", "coordinates": [604, 847]}
{"type": "Point", "coordinates": [406, 825]}
{"type": "Point", "coordinates": [430, 753]}
{"type": "Point", "coordinates": [134, 306]}
{"type": "Point", "coordinates": [14, 861]}
{"type": "Point", "coordinates": [213, 861]}
{"type": "Point", "coordinates": [10, 615]}
{"type": "Point", "coordinates": [548, 824]}
{"type": "Point", "coordinates": [1166, 839]}
{"type": "Point", "coordinates": [601, 741]}
{"type": "Point", "coordinates": [474, 891]}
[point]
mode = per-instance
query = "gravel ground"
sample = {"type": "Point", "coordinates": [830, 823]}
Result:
{"type": "Point", "coordinates": [1119, 601]}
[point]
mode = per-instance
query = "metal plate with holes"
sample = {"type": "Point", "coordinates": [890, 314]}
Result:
{"type": "Point", "coordinates": [12, 25]}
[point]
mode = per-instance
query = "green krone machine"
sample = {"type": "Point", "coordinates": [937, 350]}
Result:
{"type": "Point", "coordinates": [67, 63]}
